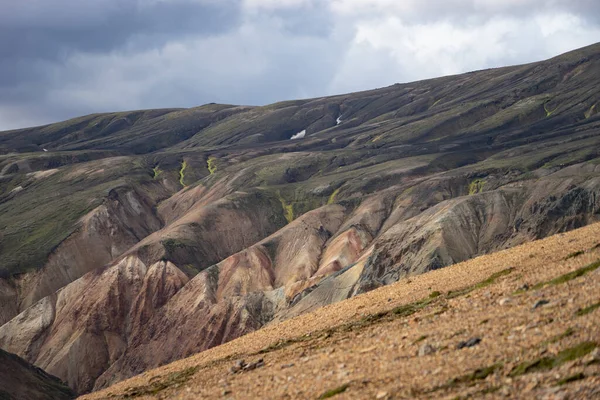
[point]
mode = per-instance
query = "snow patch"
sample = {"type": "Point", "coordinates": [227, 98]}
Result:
{"type": "Point", "coordinates": [338, 120]}
{"type": "Point", "coordinates": [299, 135]}
{"type": "Point", "coordinates": [44, 149]}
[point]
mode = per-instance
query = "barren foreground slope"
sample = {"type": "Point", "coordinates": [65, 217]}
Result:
{"type": "Point", "coordinates": [527, 320]}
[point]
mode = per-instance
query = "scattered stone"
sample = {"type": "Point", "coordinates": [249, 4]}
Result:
{"type": "Point", "coordinates": [381, 395]}
{"type": "Point", "coordinates": [254, 365]}
{"type": "Point", "coordinates": [226, 392]}
{"type": "Point", "coordinates": [504, 301]}
{"type": "Point", "coordinates": [290, 365]}
{"type": "Point", "coordinates": [241, 366]}
{"type": "Point", "coordinates": [540, 303]}
{"type": "Point", "coordinates": [593, 357]}
{"type": "Point", "coordinates": [426, 349]}
{"type": "Point", "coordinates": [524, 288]}
{"type": "Point", "coordinates": [469, 343]}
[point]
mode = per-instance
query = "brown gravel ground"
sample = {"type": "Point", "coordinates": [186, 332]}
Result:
{"type": "Point", "coordinates": [368, 346]}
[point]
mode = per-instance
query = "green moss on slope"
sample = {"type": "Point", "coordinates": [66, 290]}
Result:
{"type": "Point", "coordinates": [211, 165]}
{"type": "Point", "coordinates": [288, 209]}
{"type": "Point", "coordinates": [182, 173]}
{"type": "Point", "coordinates": [476, 186]}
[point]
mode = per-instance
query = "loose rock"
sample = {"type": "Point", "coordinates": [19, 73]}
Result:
{"type": "Point", "coordinates": [504, 301]}
{"type": "Point", "coordinates": [426, 349]}
{"type": "Point", "coordinates": [469, 343]}
{"type": "Point", "coordinates": [540, 303]}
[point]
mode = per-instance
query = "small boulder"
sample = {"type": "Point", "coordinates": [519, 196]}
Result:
{"type": "Point", "coordinates": [426, 350]}
{"type": "Point", "coordinates": [540, 303]}
{"type": "Point", "coordinates": [469, 343]}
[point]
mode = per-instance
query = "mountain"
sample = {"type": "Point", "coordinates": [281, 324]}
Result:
{"type": "Point", "coordinates": [20, 380]}
{"type": "Point", "coordinates": [519, 323]}
{"type": "Point", "coordinates": [130, 240]}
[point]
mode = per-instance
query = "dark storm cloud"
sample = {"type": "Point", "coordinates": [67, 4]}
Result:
{"type": "Point", "coordinates": [55, 29]}
{"type": "Point", "coordinates": [37, 38]}
{"type": "Point", "coordinates": [64, 58]}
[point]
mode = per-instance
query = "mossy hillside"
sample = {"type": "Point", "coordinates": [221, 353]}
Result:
{"type": "Point", "coordinates": [498, 115]}
{"type": "Point", "coordinates": [35, 220]}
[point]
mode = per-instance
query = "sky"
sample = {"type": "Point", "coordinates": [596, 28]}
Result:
{"type": "Point", "coordinates": [65, 58]}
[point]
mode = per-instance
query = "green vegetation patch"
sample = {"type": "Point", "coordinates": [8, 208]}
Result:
{"type": "Point", "coordinates": [572, 378]}
{"type": "Point", "coordinates": [331, 199]}
{"type": "Point", "coordinates": [288, 209]}
{"type": "Point", "coordinates": [407, 310]}
{"type": "Point", "coordinates": [570, 276]}
{"type": "Point", "coordinates": [489, 281]}
{"type": "Point", "coordinates": [575, 254]}
{"type": "Point", "coordinates": [549, 112]}
{"type": "Point", "coordinates": [587, 310]}
{"type": "Point", "coordinates": [182, 173]}
{"type": "Point", "coordinates": [591, 111]}
{"type": "Point", "coordinates": [568, 332]}
{"type": "Point", "coordinates": [477, 375]}
{"type": "Point", "coordinates": [211, 165]}
{"type": "Point", "coordinates": [170, 380]}
{"type": "Point", "coordinates": [156, 172]}
{"type": "Point", "coordinates": [334, 392]}
{"type": "Point", "coordinates": [476, 186]}
{"type": "Point", "coordinates": [548, 363]}
{"type": "Point", "coordinates": [420, 339]}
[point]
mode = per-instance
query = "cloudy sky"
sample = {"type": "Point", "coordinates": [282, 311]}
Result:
{"type": "Point", "coordinates": [64, 58]}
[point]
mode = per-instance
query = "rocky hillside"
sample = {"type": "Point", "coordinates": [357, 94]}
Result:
{"type": "Point", "coordinates": [130, 240]}
{"type": "Point", "coordinates": [519, 323]}
{"type": "Point", "coordinates": [20, 380]}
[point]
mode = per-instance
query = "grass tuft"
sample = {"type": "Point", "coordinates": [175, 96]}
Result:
{"type": "Point", "coordinates": [172, 379]}
{"type": "Point", "coordinates": [489, 281]}
{"type": "Point", "coordinates": [548, 363]}
{"type": "Point", "coordinates": [334, 392]}
{"type": "Point", "coordinates": [568, 332]}
{"type": "Point", "coordinates": [570, 276]}
{"type": "Point", "coordinates": [575, 254]}
{"type": "Point", "coordinates": [587, 310]}
{"type": "Point", "coordinates": [572, 378]}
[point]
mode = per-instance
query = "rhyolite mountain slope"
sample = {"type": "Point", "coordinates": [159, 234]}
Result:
{"type": "Point", "coordinates": [130, 240]}
{"type": "Point", "coordinates": [20, 380]}
{"type": "Point", "coordinates": [520, 323]}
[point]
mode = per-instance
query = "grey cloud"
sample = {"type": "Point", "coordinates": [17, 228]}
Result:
{"type": "Point", "coordinates": [85, 26]}
{"type": "Point", "coordinates": [63, 58]}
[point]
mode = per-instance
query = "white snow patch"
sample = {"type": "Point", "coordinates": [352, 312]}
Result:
{"type": "Point", "coordinates": [338, 120]}
{"type": "Point", "coordinates": [44, 149]}
{"type": "Point", "coordinates": [299, 135]}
